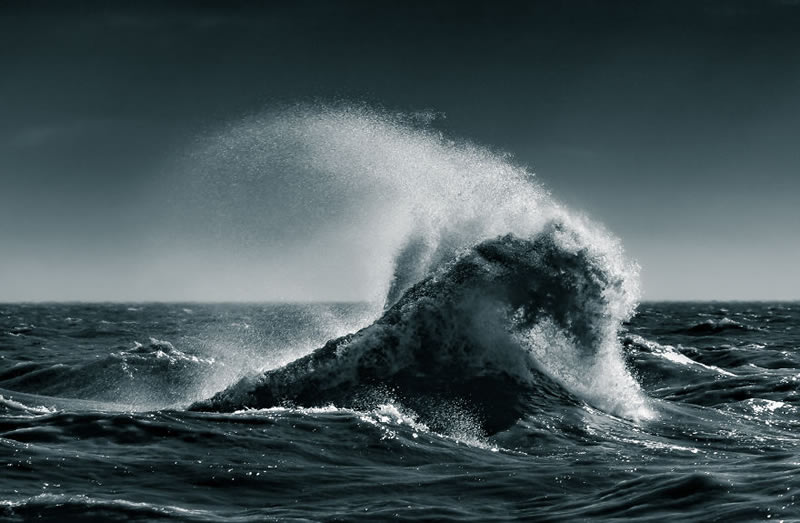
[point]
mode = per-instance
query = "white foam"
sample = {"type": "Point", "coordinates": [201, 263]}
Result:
{"type": "Point", "coordinates": [37, 410]}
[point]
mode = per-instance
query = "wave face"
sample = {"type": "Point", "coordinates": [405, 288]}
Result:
{"type": "Point", "coordinates": [494, 292]}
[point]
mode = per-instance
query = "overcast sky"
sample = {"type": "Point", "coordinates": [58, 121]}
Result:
{"type": "Point", "coordinates": [676, 124]}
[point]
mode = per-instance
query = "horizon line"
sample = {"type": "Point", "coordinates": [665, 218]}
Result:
{"type": "Point", "coordinates": [346, 302]}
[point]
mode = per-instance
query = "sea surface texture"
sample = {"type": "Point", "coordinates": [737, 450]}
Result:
{"type": "Point", "coordinates": [473, 395]}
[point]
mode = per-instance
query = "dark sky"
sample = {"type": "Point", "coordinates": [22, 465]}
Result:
{"type": "Point", "coordinates": [674, 123]}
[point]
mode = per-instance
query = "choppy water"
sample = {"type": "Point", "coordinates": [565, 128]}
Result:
{"type": "Point", "coordinates": [94, 423]}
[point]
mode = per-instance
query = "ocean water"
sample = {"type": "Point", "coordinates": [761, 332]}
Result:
{"type": "Point", "coordinates": [502, 369]}
{"type": "Point", "coordinates": [195, 412]}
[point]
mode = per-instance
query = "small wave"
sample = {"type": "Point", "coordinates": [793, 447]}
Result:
{"type": "Point", "coordinates": [21, 330]}
{"type": "Point", "coordinates": [160, 349]}
{"type": "Point", "coordinates": [67, 507]}
{"type": "Point", "coordinates": [710, 327]}
{"type": "Point", "coordinates": [668, 352]}
{"type": "Point", "coordinates": [10, 407]}
{"type": "Point", "coordinates": [145, 376]}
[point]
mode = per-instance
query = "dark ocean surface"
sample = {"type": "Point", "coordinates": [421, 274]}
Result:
{"type": "Point", "coordinates": [95, 421]}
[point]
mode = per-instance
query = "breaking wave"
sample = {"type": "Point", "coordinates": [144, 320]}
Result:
{"type": "Point", "coordinates": [496, 296]}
